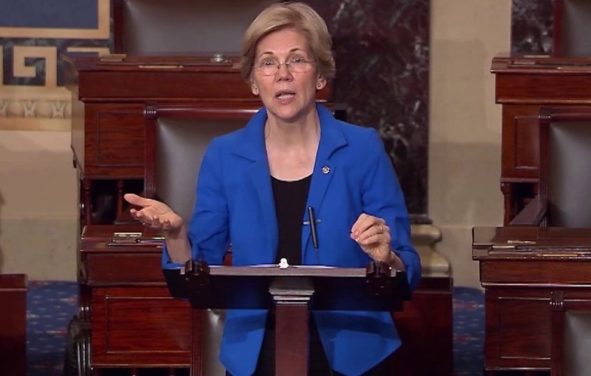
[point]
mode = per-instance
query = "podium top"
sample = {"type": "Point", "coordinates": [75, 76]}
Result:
{"type": "Point", "coordinates": [261, 287]}
{"type": "Point", "coordinates": [273, 270]}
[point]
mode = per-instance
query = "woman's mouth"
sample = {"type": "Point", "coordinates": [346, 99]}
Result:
{"type": "Point", "coordinates": [284, 95]}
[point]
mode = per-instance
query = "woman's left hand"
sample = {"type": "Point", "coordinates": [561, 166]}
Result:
{"type": "Point", "coordinates": [373, 236]}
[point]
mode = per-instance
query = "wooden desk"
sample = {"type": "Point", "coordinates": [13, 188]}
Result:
{"type": "Point", "coordinates": [133, 320]}
{"type": "Point", "coordinates": [13, 324]}
{"type": "Point", "coordinates": [523, 85]}
{"type": "Point", "coordinates": [520, 269]}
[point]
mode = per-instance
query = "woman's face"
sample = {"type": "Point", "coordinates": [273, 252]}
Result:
{"type": "Point", "coordinates": [288, 92]}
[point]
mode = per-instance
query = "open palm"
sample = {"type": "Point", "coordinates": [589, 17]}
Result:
{"type": "Point", "coordinates": [154, 213]}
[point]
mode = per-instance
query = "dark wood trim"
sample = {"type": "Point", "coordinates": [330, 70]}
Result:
{"type": "Point", "coordinates": [117, 32]}
{"type": "Point", "coordinates": [13, 328]}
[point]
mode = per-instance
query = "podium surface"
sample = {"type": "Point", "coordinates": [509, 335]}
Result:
{"type": "Point", "coordinates": [253, 287]}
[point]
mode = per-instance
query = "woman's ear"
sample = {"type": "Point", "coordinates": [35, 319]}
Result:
{"type": "Point", "coordinates": [320, 83]}
{"type": "Point", "coordinates": [254, 88]}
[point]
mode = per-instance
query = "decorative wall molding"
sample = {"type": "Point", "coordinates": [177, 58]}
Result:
{"type": "Point", "coordinates": [31, 96]}
{"type": "Point", "coordinates": [101, 31]}
{"type": "Point", "coordinates": [20, 68]}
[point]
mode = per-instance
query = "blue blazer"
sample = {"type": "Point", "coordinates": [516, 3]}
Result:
{"type": "Point", "coordinates": [235, 207]}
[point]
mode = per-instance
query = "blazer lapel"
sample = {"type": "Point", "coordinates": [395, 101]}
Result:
{"type": "Point", "coordinates": [253, 149]}
{"type": "Point", "coordinates": [331, 139]}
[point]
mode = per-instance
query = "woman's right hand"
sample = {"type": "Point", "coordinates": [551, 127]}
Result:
{"type": "Point", "coordinates": [154, 214]}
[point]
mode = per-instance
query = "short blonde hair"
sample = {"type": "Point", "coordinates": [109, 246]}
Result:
{"type": "Point", "coordinates": [295, 15]}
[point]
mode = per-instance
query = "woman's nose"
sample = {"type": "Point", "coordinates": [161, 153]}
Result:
{"type": "Point", "coordinates": [283, 71]}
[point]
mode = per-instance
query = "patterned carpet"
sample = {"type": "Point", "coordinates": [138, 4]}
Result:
{"type": "Point", "coordinates": [468, 331]}
{"type": "Point", "coordinates": [52, 304]}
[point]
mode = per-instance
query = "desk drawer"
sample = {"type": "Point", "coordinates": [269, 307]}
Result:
{"type": "Point", "coordinates": [110, 268]}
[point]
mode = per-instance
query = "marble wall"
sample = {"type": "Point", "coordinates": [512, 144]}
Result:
{"type": "Point", "coordinates": [531, 26]}
{"type": "Point", "coordinates": [382, 56]}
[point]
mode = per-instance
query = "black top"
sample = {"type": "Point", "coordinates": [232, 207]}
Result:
{"type": "Point", "coordinates": [290, 205]}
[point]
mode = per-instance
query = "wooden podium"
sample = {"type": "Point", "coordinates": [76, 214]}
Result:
{"type": "Point", "coordinates": [292, 292]}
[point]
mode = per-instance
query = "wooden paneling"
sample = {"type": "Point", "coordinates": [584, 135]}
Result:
{"type": "Point", "coordinates": [517, 328]}
{"type": "Point", "coordinates": [13, 327]}
{"type": "Point", "coordinates": [532, 270]}
{"type": "Point", "coordinates": [521, 268]}
{"type": "Point", "coordinates": [425, 328]}
{"type": "Point", "coordinates": [520, 126]}
{"type": "Point", "coordinates": [114, 144]}
{"type": "Point", "coordinates": [139, 326]}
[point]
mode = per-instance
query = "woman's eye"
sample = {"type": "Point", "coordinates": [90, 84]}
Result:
{"type": "Point", "coordinates": [296, 60]}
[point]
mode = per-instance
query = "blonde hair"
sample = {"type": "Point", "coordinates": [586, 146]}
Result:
{"type": "Point", "coordinates": [295, 15]}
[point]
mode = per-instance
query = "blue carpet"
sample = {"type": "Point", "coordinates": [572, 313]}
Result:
{"type": "Point", "coordinates": [52, 304]}
{"type": "Point", "coordinates": [468, 314]}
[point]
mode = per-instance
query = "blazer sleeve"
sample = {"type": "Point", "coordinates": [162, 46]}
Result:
{"type": "Point", "coordinates": [383, 197]}
{"type": "Point", "coordinates": [208, 228]}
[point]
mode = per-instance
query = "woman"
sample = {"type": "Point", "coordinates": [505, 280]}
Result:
{"type": "Point", "coordinates": [258, 185]}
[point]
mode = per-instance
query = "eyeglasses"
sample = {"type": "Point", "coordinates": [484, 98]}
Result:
{"type": "Point", "coordinates": [295, 64]}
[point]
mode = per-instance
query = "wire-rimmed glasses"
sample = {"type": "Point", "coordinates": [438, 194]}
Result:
{"type": "Point", "coordinates": [269, 66]}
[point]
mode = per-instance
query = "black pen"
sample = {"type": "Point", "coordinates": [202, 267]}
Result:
{"type": "Point", "coordinates": [312, 220]}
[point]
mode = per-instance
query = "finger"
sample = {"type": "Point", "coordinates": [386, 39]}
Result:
{"type": "Point", "coordinates": [131, 197]}
{"type": "Point", "coordinates": [367, 223]}
{"type": "Point", "coordinates": [143, 215]}
{"type": "Point", "coordinates": [157, 222]}
{"type": "Point", "coordinates": [378, 233]}
{"type": "Point", "coordinates": [146, 218]}
{"type": "Point", "coordinates": [137, 214]}
{"type": "Point", "coordinates": [369, 237]}
{"type": "Point", "coordinates": [136, 200]}
{"type": "Point", "coordinates": [166, 225]}
{"type": "Point", "coordinates": [362, 223]}
{"type": "Point", "coordinates": [160, 223]}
